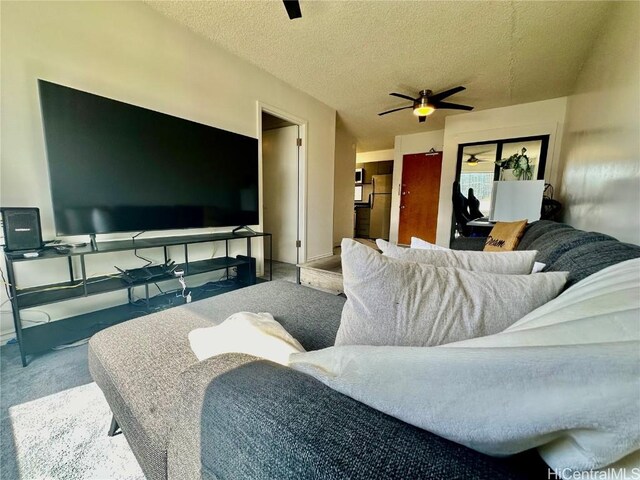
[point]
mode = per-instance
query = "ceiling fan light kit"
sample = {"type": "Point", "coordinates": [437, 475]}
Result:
{"type": "Point", "coordinates": [427, 103]}
{"type": "Point", "coordinates": [473, 160]}
{"type": "Point", "coordinates": [423, 108]}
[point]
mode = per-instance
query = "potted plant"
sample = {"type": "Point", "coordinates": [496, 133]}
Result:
{"type": "Point", "coordinates": [519, 164]}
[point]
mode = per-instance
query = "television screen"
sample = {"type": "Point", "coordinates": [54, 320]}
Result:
{"type": "Point", "coordinates": [115, 167]}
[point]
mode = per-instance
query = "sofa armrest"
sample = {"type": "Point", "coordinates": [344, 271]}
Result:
{"type": "Point", "coordinates": [183, 449]}
{"type": "Point", "coordinates": [262, 420]}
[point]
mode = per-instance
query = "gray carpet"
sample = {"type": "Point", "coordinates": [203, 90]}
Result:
{"type": "Point", "coordinates": [283, 271]}
{"type": "Point", "coordinates": [54, 419]}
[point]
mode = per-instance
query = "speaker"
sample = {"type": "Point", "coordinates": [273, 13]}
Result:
{"type": "Point", "coordinates": [246, 271]}
{"type": "Point", "coordinates": [21, 228]}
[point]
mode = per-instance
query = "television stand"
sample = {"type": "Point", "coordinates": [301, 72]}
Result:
{"type": "Point", "coordinates": [241, 227]}
{"type": "Point", "coordinates": [94, 243]}
{"type": "Point", "coordinates": [42, 337]}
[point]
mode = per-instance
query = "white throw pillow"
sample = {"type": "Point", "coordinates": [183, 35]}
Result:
{"type": "Point", "coordinates": [424, 245]}
{"type": "Point", "coordinates": [390, 302]}
{"type": "Point", "coordinates": [515, 263]}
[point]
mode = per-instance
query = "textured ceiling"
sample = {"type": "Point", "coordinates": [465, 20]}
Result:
{"type": "Point", "coordinates": [351, 54]}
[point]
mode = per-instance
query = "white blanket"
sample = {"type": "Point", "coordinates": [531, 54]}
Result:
{"type": "Point", "coordinates": [256, 334]}
{"type": "Point", "coordinates": [565, 378]}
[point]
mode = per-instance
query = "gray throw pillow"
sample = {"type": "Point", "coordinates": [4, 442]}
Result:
{"type": "Point", "coordinates": [391, 302]}
{"type": "Point", "coordinates": [514, 263]}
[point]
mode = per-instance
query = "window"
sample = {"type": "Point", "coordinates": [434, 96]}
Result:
{"type": "Point", "coordinates": [482, 184]}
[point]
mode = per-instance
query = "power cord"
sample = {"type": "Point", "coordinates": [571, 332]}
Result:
{"type": "Point", "coordinates": [141, 302]}
{"type": "Point", "coordinates": [9, 298]}
{"type": "Point", "coordinates": [6, 284]}
{"type": "Point", "coordinates": [186, 294]}
{"type": "Point", "coordinates": [135, 251]}
{"type": "Point", "coordinates": [149, 262]}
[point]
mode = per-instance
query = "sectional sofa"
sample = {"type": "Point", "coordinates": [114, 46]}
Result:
{"type": "Point", "coordinates": [235, 416]}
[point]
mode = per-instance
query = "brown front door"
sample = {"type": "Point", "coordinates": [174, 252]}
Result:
{"type": "Point", "coordinates": [419, 196]}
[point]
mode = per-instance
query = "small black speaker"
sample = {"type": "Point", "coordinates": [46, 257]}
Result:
{"type": "Point", "coordinates": [246, 271]}
{"type": "Point", "coordinates": [21, 228]}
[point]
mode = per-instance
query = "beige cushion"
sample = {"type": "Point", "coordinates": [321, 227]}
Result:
{"type": "Point", "coordinates": [505, 236]}
{"type": "Point", "coordinates": [390, 302]}
{"type": "Point", "coordinates": [516, 263]}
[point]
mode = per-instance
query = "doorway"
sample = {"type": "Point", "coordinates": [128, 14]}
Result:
{"type": "Point", "coordinates": [281, 142]}
{"type": "Point", "coordinates": [372, 200]}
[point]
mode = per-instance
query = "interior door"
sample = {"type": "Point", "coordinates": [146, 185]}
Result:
{"type": "Point", "coordinates": [419, 196]}
{"type": "Point", "coordinates": [281, 191]}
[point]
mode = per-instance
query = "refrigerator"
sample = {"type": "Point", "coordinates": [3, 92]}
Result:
{"type": "Point", "coordinates": [380, 205]}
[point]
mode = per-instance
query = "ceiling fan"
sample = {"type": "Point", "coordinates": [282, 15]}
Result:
{"type": "Point", "coordinates": [293, 8]}
{"type": "Point", "coordinates": [428, 102]}
{"type": "Point", "coordinates": [473, 159]}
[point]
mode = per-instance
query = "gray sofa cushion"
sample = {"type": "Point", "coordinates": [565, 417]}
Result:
{"type": "Point", "coordinates": [468, 243]}
{"type": "Point", "coordinates": [291, 426]}
{"type": "Point", "coordinates": [137, 363]}
{"type": "Point", "coordinates": [587, 259]}
{"type": "Point", "coordinates": [555, 242]}
{"type": "Point", "coordinates": [565, 249]}
{"type": "Point", "coordinates": [537, 229]}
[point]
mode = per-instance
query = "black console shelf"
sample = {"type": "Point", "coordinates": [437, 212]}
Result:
{"type": "Point", "coordinates": [44, 336]}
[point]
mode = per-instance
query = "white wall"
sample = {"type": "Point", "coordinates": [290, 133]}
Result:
{"type": "Point", "coordinates": [601, 150]}
{"type": "Point", "coordinates": [343, 184]}
{"type": "Point", "coordinates": [404, 145]}
{"type": "Point", "coordinates": [127, 51]}
{"type": "Point", "coordinates": [374, 156]}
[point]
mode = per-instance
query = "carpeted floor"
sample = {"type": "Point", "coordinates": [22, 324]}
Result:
{"type": "Point", "coordinates": [284, 271]}
{"type": "Point", "coordinates": [54, 421]}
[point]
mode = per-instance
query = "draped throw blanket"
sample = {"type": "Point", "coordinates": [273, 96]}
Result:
{"type": "Point", "coordinates": [565, 378]}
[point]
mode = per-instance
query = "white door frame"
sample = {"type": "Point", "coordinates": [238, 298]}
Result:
{"type": "Point", "coordinates": [302, 173]}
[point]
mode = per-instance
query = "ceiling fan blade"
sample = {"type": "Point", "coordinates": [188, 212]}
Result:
{"type": "Point", "coordinates": [293, 8]}
{"type": "Point", "coordinates": [451, 106]}
{"type": "Point", "coordinates": [406, 97]}
{"type": "Point", "coordinates": [395, 110]}
{"type": "Point", "coordinates": [422, 119]}
{"type": "Point", "coordinates": [447, 93]}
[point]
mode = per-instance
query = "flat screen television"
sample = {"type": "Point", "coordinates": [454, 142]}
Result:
{"type": "Point", "coordinates": [115, 167]}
